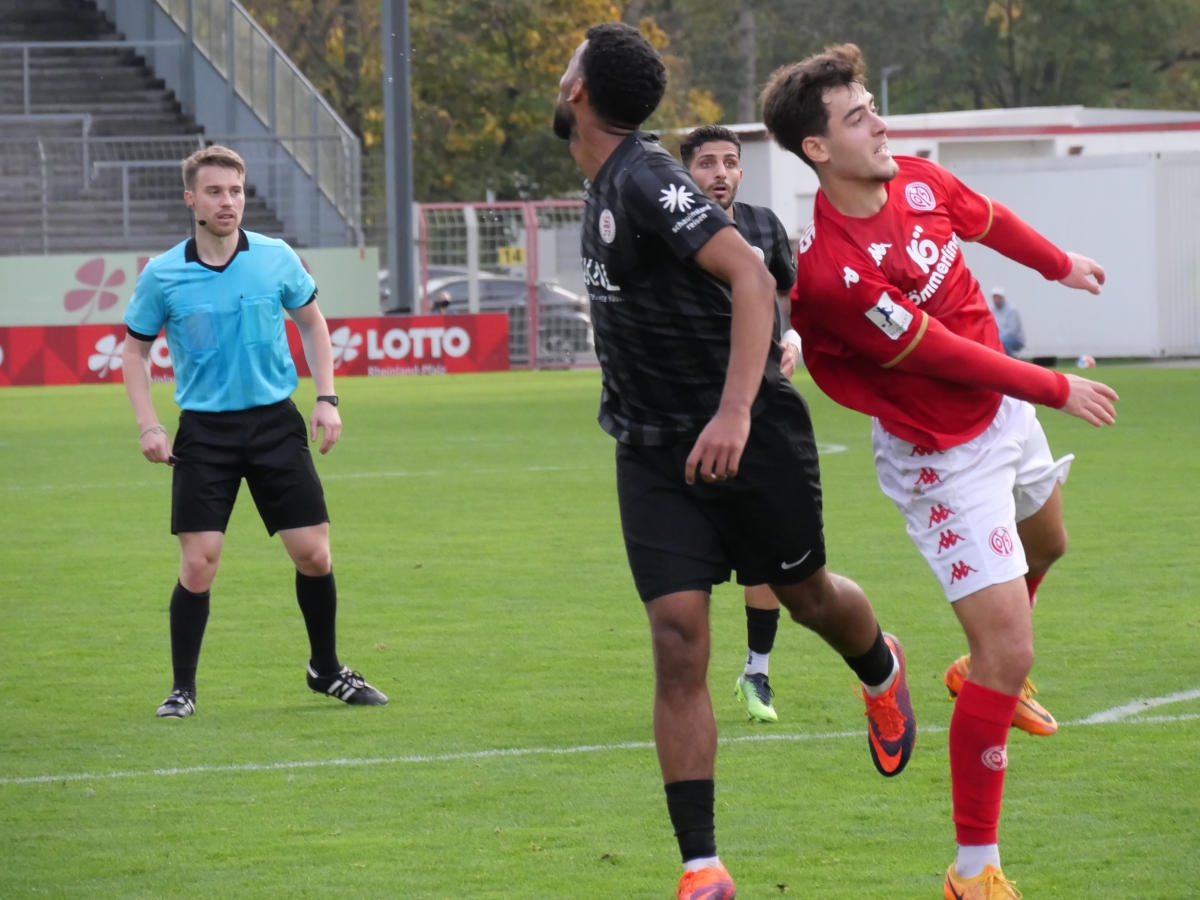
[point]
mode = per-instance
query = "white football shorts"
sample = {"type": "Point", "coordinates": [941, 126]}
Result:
{"type": "Point", "coordinates": [961, 506]}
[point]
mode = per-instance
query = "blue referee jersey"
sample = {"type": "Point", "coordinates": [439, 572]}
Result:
{"type": "Point", "coordinates": [224, 325]}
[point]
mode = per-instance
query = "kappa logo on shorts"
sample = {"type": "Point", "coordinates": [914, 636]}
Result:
{"type": "Point", "coordinates": [927, 478]}
{"type": "Point", "coordinates": [948, 539]}
{"type": "Point", "coordinates": [939, 513]}
{"type": "Point", "coordinates": [959, 571]}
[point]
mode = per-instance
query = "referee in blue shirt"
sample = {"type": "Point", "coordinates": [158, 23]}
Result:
{"type": "Point", "coordinates": [221, 296]}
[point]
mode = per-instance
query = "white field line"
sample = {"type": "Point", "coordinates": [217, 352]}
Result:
{"type": "Point", "coordinates": [1118, 713]}
{"type": "Point", "coordinates": [165, 481]}
{"type": "Point", "coordinates": [1128, 714]}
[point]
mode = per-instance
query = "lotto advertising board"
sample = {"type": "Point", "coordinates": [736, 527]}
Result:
{"type": "Point", "coordinates": [378, 346]}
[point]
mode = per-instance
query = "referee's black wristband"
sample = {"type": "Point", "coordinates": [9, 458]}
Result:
{"type": "Point", "coordinates": [331, 399]}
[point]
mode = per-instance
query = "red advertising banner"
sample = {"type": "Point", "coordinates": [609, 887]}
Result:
{"type": "Point", "coordinates": [391, 345]}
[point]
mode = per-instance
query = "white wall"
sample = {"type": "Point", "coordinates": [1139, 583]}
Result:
{"type": "Point", "coordinates": [1134, 213]}
{"type": "Point", "coordinates": [1103, 208]}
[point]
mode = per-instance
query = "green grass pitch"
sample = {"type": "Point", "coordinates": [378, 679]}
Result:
{"type": "Point", "coordinates": [483, 586]}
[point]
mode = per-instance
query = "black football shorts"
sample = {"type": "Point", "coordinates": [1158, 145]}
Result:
{"type": "Point", "coordinates": [266, 445]}
{"type": "Point", "coordinates": [765, 524]}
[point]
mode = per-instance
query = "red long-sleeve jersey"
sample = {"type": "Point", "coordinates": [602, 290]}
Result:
{"type": "Point", "coordinates": [894, 324]}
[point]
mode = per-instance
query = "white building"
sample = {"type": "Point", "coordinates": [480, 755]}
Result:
{"type": "Point", "coordinates": [1121, 186]}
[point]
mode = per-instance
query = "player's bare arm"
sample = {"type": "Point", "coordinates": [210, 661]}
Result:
{"type": "Point", "coordinates": [718, 451]}
{"type": "Point", "coordinates": [1085, 275]}
{"type": "Point", "coordinates": [153, 438]}
{"type": "Point", "coordinates": [318, 353]}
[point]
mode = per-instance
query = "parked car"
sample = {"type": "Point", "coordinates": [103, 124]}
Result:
{"type": "Point", "coordinates": [432, 273]}
{"type": "Point", "coordinates": [564, 327]}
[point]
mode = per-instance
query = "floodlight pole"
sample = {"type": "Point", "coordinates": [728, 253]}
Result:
{"type": "Point", "coordinates": [397, 143]}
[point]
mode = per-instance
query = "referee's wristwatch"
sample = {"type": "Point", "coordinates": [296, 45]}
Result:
{"type": "Point", "coordinates": [331, 399]}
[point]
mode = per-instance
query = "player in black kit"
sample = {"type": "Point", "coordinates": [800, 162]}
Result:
{"type": "Point", "coordinates": [716, 461]}
{"type": "Point", "coordinates": [713, 156]}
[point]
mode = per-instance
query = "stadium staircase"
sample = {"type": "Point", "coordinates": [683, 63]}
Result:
{"type": "Point", "coordinates": [64, 172]}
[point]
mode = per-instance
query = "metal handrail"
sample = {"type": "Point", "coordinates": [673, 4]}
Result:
{"type": "Point", "coordinates": [45, 199]}
{"type": "Point", "coordinates": [26, 46]}
{"type": "Point", "coordinates": [84, 119]}
{"type": "Point", "coordinates": [224, 55]}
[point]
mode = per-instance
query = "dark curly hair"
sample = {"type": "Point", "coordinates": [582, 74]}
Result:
{"type": "Point", "coordinates": [624, 74]}
{"type": "Point", "coordinates": [698, 137]}
{"type": "Point", "coordinates": [793, 100]}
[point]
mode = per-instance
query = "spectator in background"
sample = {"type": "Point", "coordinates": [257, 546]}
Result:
{"type": "Point", "coordinates": [1008, 320]}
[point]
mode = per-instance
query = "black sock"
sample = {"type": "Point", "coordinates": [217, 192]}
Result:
{"type": "Point", "coordinates": [189, 615]}
{"type": "Point", "coordinates": [761, 626]}
{"type": "Point", "coordinates": [690, 805]}
{"type": "Point", "coordinates": [874, 666]}
{"type": "Point", "coordinates": [317, 596]}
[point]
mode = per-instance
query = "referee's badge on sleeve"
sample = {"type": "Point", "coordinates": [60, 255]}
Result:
{"type": "Point", "coordinates": [892, 319]}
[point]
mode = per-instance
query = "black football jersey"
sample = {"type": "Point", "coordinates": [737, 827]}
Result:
{"type": "Point", "coordinates": [661, 321]}
{"type": "Point", "coordinates": [765, 233]}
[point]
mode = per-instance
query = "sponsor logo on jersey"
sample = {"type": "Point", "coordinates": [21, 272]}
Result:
{"type": "Point", "coordinates": [919, 196]}
{"type": "Point", "coordinates": [878, 252]}
{"type": "Point", "coordinates": [933, 261]}
{"type": "Point", "coordinates": [595, 275]}
{"type": "Point", "coordinates": [889, 317]}
{"type": "Point", "coordinates": [608, 226]}
{"type": "Point", "coordinates": [849, 276]}
{"type": "Point", "coordinates": [677, 198]}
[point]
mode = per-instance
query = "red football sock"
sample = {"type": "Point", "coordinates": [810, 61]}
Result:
{"type": "Point", "coordinates": [1032, 582]}
{"type": "Point", "coordinates": [978, 758]}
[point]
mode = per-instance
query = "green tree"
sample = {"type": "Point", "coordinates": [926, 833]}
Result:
{"type": "Point", "coordinates": [484, 75]}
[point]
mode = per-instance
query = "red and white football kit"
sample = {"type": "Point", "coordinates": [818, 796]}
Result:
{"type": "Point", "coordinates": [894, 324]}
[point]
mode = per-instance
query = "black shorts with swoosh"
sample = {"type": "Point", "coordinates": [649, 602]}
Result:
{"type": "Point", "coordinates": [765, 524]}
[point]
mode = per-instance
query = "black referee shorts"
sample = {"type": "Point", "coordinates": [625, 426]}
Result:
{"type": "Point", "coordinates": [765, 524]}
{"type": "Point", "coordinates": [266, 445]}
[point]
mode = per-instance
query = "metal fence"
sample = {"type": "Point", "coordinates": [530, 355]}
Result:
{"type": "Point", "coordinates": [83, 193]}
{"type": "Point", "coordinates": [517, 258]}
{"type": "Point", "coordinates": [277, 92]}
